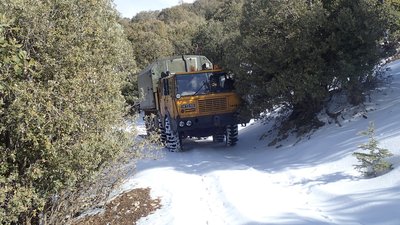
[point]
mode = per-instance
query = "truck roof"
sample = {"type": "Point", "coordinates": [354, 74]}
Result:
{"type": "Point", "coordinates": [175, 64]}
{"type": "Point", "coordinates": [199, 71]}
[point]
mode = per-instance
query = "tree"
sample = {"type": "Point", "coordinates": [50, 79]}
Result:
{"type": "Point", "coordinates": [392, 39]}
{"type": "Point", "coordinates": [206, 8]}
{"type": "Point", "coordinates": [217, 39]}
{"type": "Point", "coordinates": [146, 15]}
{"type": "Point", "coordinates": [209, 41]}
{"type": "Point", "coordinates": [353, 32]}
{"type": "Point", "coordinates": [156, 34]}
{"type": "Point", "coordinates": [63, 65]}
{"type": "Point", "coordinates": [183, 24]}
{"type": "Point", "coordinates": [294, 53]}
{"type": "Point", "coordinates": [150, 40]}
{"type": "Point", "coordinates": [280, 61]}
{"type": "Point", "coordinates": [373, 163]}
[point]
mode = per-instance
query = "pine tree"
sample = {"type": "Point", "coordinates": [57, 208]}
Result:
{"type": "Point", "coordinates": [373, 163]}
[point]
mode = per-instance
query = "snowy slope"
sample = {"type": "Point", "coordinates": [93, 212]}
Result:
{"type": "Point", "coordinates": [310, 182]}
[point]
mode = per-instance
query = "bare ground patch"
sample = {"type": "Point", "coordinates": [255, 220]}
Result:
{"type": "Point", "coordinates": [127, 208]}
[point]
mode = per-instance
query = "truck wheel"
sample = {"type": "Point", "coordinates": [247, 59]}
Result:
{"type": "Point", "coordinates": [161, 131]}
{"type": "Point", "coordinates": [218, 138]}
{"type": "Point", "coordinates": [150, 124]}
{"type": "Point", "coordinates": [173, 141]}
{"type": "Point", "coordinates": [231, 135]}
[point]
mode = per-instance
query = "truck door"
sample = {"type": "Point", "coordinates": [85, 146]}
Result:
{"type": "Point", "coordinates": [167, 103]}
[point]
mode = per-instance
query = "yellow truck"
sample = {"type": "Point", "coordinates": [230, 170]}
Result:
{"type": "Point", "coordinates": [186, 96]}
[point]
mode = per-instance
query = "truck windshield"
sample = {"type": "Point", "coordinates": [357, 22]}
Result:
{"type": "Point", "coordinates": [203, 83]}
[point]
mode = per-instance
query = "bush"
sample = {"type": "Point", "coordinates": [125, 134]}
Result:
{"type": "Point", "coordinates": [62, 68]}
{"type": "Point", "coordinates": [296, 52]}
{"type": "Point", "coordinates": [373, 163]}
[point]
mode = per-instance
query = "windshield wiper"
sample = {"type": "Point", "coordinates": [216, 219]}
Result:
{"type": "Point", "coordinates": [204, 83]}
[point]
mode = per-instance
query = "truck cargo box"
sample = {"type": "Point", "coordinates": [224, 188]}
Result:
{"type": "Point", "coordinates": [149, 77]}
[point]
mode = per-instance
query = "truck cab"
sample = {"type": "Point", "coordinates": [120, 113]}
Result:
{"type": "Point", "coordinates": [199, 104]}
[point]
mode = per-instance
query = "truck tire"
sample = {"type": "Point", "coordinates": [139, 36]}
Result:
{"type": "Point", "coordinates": [150, 124]}
{"type": "Point", "coordinates": [231, 135]}
{"type": "Point", "coordinates": [161, 131]}
{"type": "Point", "coordinates": [218, 138]}
{"type": "Point", "coordinates": [173, 141]}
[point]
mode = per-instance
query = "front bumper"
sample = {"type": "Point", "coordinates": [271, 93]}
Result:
{"type": "Point", "coordinates": [204, 126]}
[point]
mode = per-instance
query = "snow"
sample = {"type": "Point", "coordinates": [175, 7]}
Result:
{"type": "Point", "coordinates": [311, 181]}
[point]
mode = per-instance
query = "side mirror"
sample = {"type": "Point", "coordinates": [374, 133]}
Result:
{"type": "Point", "coordinates": [206, 66]}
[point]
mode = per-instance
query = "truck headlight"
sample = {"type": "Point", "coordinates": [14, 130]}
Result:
{"type": "Point", "coordinates": [181, 124]}
{"type": "Point", "coordinates": [188, 123]}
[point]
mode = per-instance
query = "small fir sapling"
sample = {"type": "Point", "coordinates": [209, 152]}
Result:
{"type": "Point", "coordinates": [373, 163]}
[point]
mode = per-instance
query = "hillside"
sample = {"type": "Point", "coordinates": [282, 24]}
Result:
{"type": "Point", "coordinates": [312, 181]}
{"type": "Point", "coordinates": [69, 83]}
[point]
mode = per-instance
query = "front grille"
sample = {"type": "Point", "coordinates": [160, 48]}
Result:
{"type": "Point", "coordinates": [212, 105]}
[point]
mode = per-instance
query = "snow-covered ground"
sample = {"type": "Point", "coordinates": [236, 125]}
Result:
{"type": "Point", "coordinates": [309, 182]}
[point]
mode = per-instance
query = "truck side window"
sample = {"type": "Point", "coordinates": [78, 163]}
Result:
{"type": "Point", "coordinates": [171, 87]}
{"type": "Point", "coordinates": [166, 87]}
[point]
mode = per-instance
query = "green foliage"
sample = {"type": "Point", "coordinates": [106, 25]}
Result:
{"type": "Point", "coordinates": [207, 8]}
{"type": "Point", "coordinates": [183, 25]}
{"type": "Point", "coordinates": [63, 66]}
{"type": "Point", "coordinates": [352, 34]}
{"type": "Point", "coordinates": [209, 42]}
{"type": "Point", "coordinates": [282, 52]}
{"type": "Point", "coordinates": [280, 58]}
{"type": "Point", "coordinates": [373, 163]}
{"type": "Point", "coordinates": [156, 34]}
{"type": "Point", "coordinates": [146, 15]}
{"type": "Point", "coordinates": [217, 37]}
{"type": "Point", "coordinates": [130, 92]}
{"type": "Point", "coordinates": [291, 53]}
{"type": "Point", "coordinates": [294, 52]}
{"type": "Point", "coordinates": [15, 198]}
{"type": "Point", "coordinates": [150, 40]}
{"type": "Point", "coordinates": [393, 32]}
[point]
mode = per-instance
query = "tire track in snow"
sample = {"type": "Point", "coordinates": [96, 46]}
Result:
{"type": "Point", "coordinates": [216, 209]}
